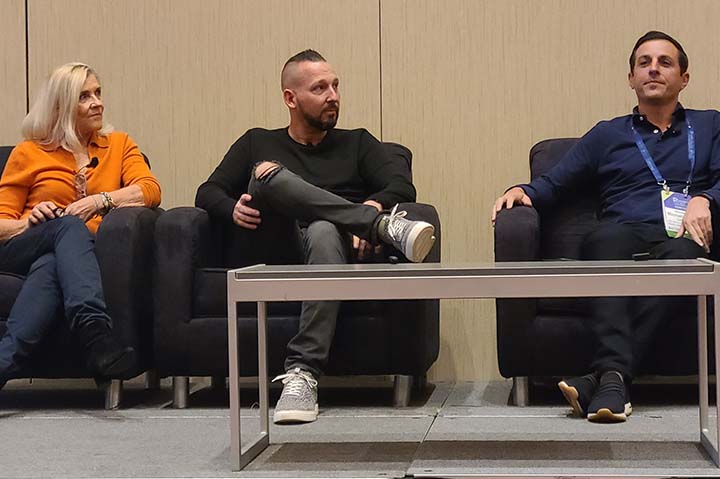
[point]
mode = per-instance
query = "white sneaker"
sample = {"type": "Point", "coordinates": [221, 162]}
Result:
{"type": "Point", "coordinates": [298, 401]}
{"type": "Point", "coordinates": [414, 239]}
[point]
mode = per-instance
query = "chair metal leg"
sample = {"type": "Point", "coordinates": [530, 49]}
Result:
{"type": "Point", "coordinates": [113, 394]}
{"type": "Point", "coordinates": [181, 391]}
{"type": "Point", "coordinates": [521, 391]}
{"type": "Point", "coordinates": [218, 382]}
{"type": "Point", "coordinates": [402, 390]}
{"type": "Point", "coordinates": [152, 379]}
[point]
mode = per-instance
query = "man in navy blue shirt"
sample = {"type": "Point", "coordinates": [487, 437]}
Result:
{"type": "Point", "coordinates": [657, 174]}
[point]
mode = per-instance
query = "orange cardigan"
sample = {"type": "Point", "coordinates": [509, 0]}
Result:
{"type": "Point", "coordinates": [36, 173]}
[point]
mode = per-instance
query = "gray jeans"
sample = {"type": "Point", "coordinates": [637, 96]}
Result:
{"type": "Point", "coordinates": [324, 224]}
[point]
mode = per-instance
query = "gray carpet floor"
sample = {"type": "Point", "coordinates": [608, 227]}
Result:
{"type": "Point", "coordinates": [58, 429]}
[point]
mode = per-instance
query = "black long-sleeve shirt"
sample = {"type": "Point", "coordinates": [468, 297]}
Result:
{"type": "Point", "coordinates": [349, 163]}
{"type": "Point", "coordinates": [607, 160]}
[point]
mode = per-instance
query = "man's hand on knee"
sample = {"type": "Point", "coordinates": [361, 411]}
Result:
{"type": "Point", "coordinates": [363, 247]}
{"type": "Point", "coordinates": [245, 216]}
{"type": "Point", "coordinates": [698, 222]}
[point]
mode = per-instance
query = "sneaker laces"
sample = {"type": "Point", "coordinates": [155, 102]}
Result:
{"type": "Point", "coordinates": [396, 227]}
{"type": "Point", "coordinates": [296, 382]}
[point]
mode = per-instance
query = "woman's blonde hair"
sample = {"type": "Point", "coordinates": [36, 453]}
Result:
{"type": "Point", "coordinates": [52, 118]}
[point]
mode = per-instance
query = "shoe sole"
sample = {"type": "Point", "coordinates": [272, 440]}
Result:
{"type": "Point", "coordinates": [295, 416]}
{"type": "Point", "coordinates": [572, 397]}
{"type": "Point", "coordinates": [607, 416]}
{"type": "Point", "coordinates": [422, 239]}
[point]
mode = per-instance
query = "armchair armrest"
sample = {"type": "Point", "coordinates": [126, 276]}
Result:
{"type": "Point", "coordinates": [517, 234]}
{"type": "Point", "coordinates": [183, 243]}
{"type": "Point", "coordinates": [517, 238]}
{"type": "Point", "coordinates": [124, 249]}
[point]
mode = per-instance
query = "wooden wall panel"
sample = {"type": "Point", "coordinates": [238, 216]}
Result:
{"type": "Point", "coordinates": [187, 78]}
{"type": "Point", "coordinates": [12, 70]}
{"type": "Point", "coordinates": [471, 85]}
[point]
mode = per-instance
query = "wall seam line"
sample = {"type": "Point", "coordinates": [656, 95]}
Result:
{"type": "Point", "coordinates": [382, 99]}
{"type": "Point", "coordinates": [27, 60]}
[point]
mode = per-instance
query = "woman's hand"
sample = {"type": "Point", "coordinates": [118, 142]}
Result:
{"type": "Point", "coordinates": [85, 208]}
{"type": "Point", "coordinates": [43, 211]}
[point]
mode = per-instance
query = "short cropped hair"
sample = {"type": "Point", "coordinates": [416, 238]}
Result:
{"type": "Point", "coordinates": [655, 35]}
{"type": "Point", "coordinates": [304, 56]}
{"type": "Point", "coordinates": [52, 119]}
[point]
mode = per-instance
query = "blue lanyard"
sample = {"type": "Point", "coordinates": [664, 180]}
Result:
{"type": "Point", "coordinates": [651, 163]}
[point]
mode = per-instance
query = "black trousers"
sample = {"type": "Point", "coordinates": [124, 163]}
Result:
{"type": "Point", "coordinates": [625, 327]}
{"type": "Point", "coordinates": [318, 225]}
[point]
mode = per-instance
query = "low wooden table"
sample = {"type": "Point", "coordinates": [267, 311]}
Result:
{"type": "Point", "coordinates": [264, 284]}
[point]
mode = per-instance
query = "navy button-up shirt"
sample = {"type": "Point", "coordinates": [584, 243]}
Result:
{"type": "Point", "coordinates": [607, 161]}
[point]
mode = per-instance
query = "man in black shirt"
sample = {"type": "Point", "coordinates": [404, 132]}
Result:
{"type": "Point", "coordinates": [329, 189]}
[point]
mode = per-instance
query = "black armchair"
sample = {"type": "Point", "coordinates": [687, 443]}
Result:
{"type": "Point", "coordinates": [550, 336]}
{"type": "Point", "coordinates": [124, 250]}
{"type": "Point", "coordinates": [193, 255]}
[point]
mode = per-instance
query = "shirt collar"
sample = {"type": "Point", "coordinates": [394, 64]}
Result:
{"type": "Point", "coordinates": [100, 141]}
{"type": "Point", "coordinates": [678, 115]}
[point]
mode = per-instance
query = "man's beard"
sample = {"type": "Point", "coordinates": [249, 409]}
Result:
{"type": "Point", "coordinates": [317, 122]}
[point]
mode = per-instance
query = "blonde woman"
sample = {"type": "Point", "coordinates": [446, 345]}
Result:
{"type": "Point", "coordinates": [54, 191]}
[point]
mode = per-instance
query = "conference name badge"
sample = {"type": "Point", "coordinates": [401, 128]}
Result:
{"type": "Point", "coordinates": [674, 206]}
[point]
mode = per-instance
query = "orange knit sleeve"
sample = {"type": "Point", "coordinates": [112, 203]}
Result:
{"type": "Point", "coordinates": [136, 172]}
{"type": "Point", "coordinates": [17, 178]}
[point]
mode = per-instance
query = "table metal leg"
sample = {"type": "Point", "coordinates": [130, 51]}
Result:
{"type": "Point", "coordinates": [239, 457]}
{"type": "Point", "coordinates": [263, 383]}
{"type": "Point", "coordinates": [234, 381]}
{"type": "Point", "coordinates": [705, 438]}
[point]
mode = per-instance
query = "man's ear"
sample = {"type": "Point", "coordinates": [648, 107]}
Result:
{"type": "Point", "coordinates": [289, 98]}
{"type": "Point", "coordinates": [685, 80]}
{"type": "Point", "coordinates": [630, 78]}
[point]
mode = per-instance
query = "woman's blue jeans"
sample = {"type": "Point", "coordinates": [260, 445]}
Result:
{"type": "Point", "coordinates": [62, 276]}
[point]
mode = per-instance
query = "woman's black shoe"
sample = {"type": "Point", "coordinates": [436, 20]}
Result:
{"type": "Point", "coordinates": [107, 358]}
{"type": "Point", "coordinates": [104, 355]}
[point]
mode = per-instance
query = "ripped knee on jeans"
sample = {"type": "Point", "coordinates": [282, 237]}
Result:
{"type": "Point", "coordinates": [264, 170]}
